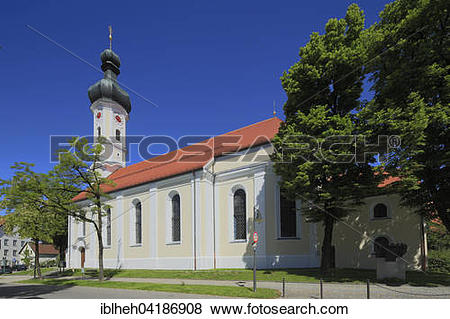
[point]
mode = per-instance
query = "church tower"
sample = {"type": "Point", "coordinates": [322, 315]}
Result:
{"type": "Point", "coordinates": [110, 106]}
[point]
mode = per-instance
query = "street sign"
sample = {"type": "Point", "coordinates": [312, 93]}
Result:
{"type": "Point", "coordinates": [255, 237]}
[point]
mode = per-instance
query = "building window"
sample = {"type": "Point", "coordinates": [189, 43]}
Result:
{"type": "Point", "coordinates": [118, 135]}
{"type": "Point", "coordinates": [14, 242]}
{"type": "Point", "coordinates": [239, 215]}
{"type": "Point", "coordinates": [380, 211]}
{"type": "Point", "coordinates": [108, 227]}
{"type": "Point", "coordinates": [22, 243]}
{"type": "Point", "coordinates": [6, 242]}
{"type": "Point", "coordinates": [176, 218]}
{"type": "Point", "coordinates": [83, 228]}
{"type": "Point", "coordinates": [5, 252]}
{"type": "Point", "coordinates": [380, 245]}
{"type": "Point", "coordinates": [138, 222]}
{"type": "Point", "coordinates": [288, 218]}
{"type": "Point", "coordinates": [14, 253]}
{"type": "Point", "coordinates": [99, 131]}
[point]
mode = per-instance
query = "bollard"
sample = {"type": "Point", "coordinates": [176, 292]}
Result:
{"type": "Point", "coordinates": [284, 287]}
{"type": "Point", "coordinates": [368, 289]}
{"type": "Point", "coordinates": [321, 289]}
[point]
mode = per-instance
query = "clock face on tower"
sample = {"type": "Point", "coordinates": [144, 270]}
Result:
{"type": "Point", "coordinates": [99, 115]}
{"type": "Point", "coordinates": [118, 119]}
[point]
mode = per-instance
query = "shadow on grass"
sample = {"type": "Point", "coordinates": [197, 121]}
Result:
{"type": "Point", "coordinates": [413, 278]}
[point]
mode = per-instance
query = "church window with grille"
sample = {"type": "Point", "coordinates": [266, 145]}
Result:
{"type": "Point", "coordinates": [176, 227]}
{"type": "Point", "coordinates": [239, 214]}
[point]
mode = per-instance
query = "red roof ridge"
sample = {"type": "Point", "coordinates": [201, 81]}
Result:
{"type": "Point", "coordinates": [176, 164]}
{"type": "Point", "coordinates": [153, 159]}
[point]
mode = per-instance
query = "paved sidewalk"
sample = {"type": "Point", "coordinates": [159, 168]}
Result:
{"type": "Point", "coordinates": [312, 290]}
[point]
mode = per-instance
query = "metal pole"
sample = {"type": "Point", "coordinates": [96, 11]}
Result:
{"type": "Point", "coordinates": [254, 268]}
{"type": "Point", "coordinates": [368, 289]}
{"type": "Point", "coordinates": [284, 287]}
{"type": "Point", "coordinates": [321, 289]}
{"type": "Point", "coordinates": [254, 252]}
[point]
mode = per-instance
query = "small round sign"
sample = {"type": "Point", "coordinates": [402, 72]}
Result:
{"type": "Point", "coordinates": [255, 237]}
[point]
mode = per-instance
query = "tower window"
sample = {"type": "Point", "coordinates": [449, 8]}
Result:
{"type": "Point", "coordinates": [99, 131]}
{"type": "Point", "coordinates": [118, 135]}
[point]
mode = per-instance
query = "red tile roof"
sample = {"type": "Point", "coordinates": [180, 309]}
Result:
{"type": "Point", "coordinates": [44, 249]}
{"type": "Point", "coordinates": [389, 180]}
{"type": "Point", "coordinates": [192, 157]}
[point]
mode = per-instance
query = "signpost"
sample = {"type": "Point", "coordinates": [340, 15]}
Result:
{"type": "Point", "coordinates": [257, 218]}
{"type": "Point", "coordinates": [255, 237]}
{"type": "Point", "coordinates": [255, 242]}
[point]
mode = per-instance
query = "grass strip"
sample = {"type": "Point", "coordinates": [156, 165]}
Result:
{"type": "Point", "coordinates": [228, 291]}
{"type": "Point", "coordinates": [309, 275]}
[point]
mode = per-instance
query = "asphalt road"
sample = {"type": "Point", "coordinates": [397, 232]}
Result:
{"type": "Point", "coordinates": [9, 289]}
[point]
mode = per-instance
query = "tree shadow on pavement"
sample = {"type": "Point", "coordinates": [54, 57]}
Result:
{"type": "Point", "coordinates": [28, 291]}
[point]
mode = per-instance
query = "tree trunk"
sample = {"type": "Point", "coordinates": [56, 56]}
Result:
{"type": "Point", "coordinates": [326, 263]}
{"type": "Point", "coordinates": [37, 266]}
{"type": "Point", "coordinates": [100, 247]}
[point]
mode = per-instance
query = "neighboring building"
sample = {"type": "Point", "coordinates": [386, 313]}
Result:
{"type": "Point", "coordinates": [10, 245]}
{"type": "Point", "coordinates": [193, 208]}
{"type": "Point", "coordinates": [46, 252]}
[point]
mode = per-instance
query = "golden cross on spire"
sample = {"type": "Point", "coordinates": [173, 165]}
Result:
{"type": "Point", "coordinates": [110, 37]}
{"type": "Point", "coordinates": [274, 111]}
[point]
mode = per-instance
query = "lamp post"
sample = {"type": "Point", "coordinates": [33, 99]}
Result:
{"type": "Point", "coordinates": [257, 218]}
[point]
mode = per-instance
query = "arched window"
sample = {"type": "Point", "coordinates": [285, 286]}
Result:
{"type": "Point", "coordinates": [380, 211]}
{"type": "Point", "coordinates": [118, 135]}
{"type": "Point", "coordinates": [138, 222]}
{"type": "Point", "coordinates": [99, 131]}
{"type": "Point", "coordinates": [176, 227]}
{"type": "Point", "coordinates": [239, 214]}
{"type": "Point", "coordinates": [380, 245]}
{"type": "Point", "coordinates": [288, 217]}
{"type": "Point", "coordinates": [108, 227]}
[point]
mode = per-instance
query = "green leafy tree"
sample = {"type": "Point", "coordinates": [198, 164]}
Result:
{"type": "Point", "coordinates": [79, 172]}
{"type": "Point", "coordinates": [29, 215]}
{"type": "Point", "coordinates": [409, 63]}
{"type": "Point", "coordinates": [323, 94]}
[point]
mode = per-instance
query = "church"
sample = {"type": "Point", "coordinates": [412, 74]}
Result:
{"type": "Point", "coordinates": [199, 207]}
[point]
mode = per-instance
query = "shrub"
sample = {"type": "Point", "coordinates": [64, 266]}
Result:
{"type": "Point", "coordinates": [439, 261]}
{"type": "Point", "coordinates": [437, 236]}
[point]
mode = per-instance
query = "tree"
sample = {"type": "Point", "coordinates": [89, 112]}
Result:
{"type": "Point", "coordinates": [323, 90]}
{"type": "Point", "coordinates": [79, 172]}
{"type": "Point", "coordinates": [29, 215]}
{"type": "Point", "coordinates": [409, 64]}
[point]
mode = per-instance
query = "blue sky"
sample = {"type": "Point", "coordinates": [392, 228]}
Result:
{"type": "Point", "coordinates": [211, 66]}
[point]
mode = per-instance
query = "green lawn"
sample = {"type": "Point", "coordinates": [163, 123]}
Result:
{"type": "Point", "coordinates": [228, 291]}
{"type": "Point", "coordinates": [291, 275]}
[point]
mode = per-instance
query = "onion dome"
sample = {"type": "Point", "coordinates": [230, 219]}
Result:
{"type": "Point", "coordinates": [108, 88]}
